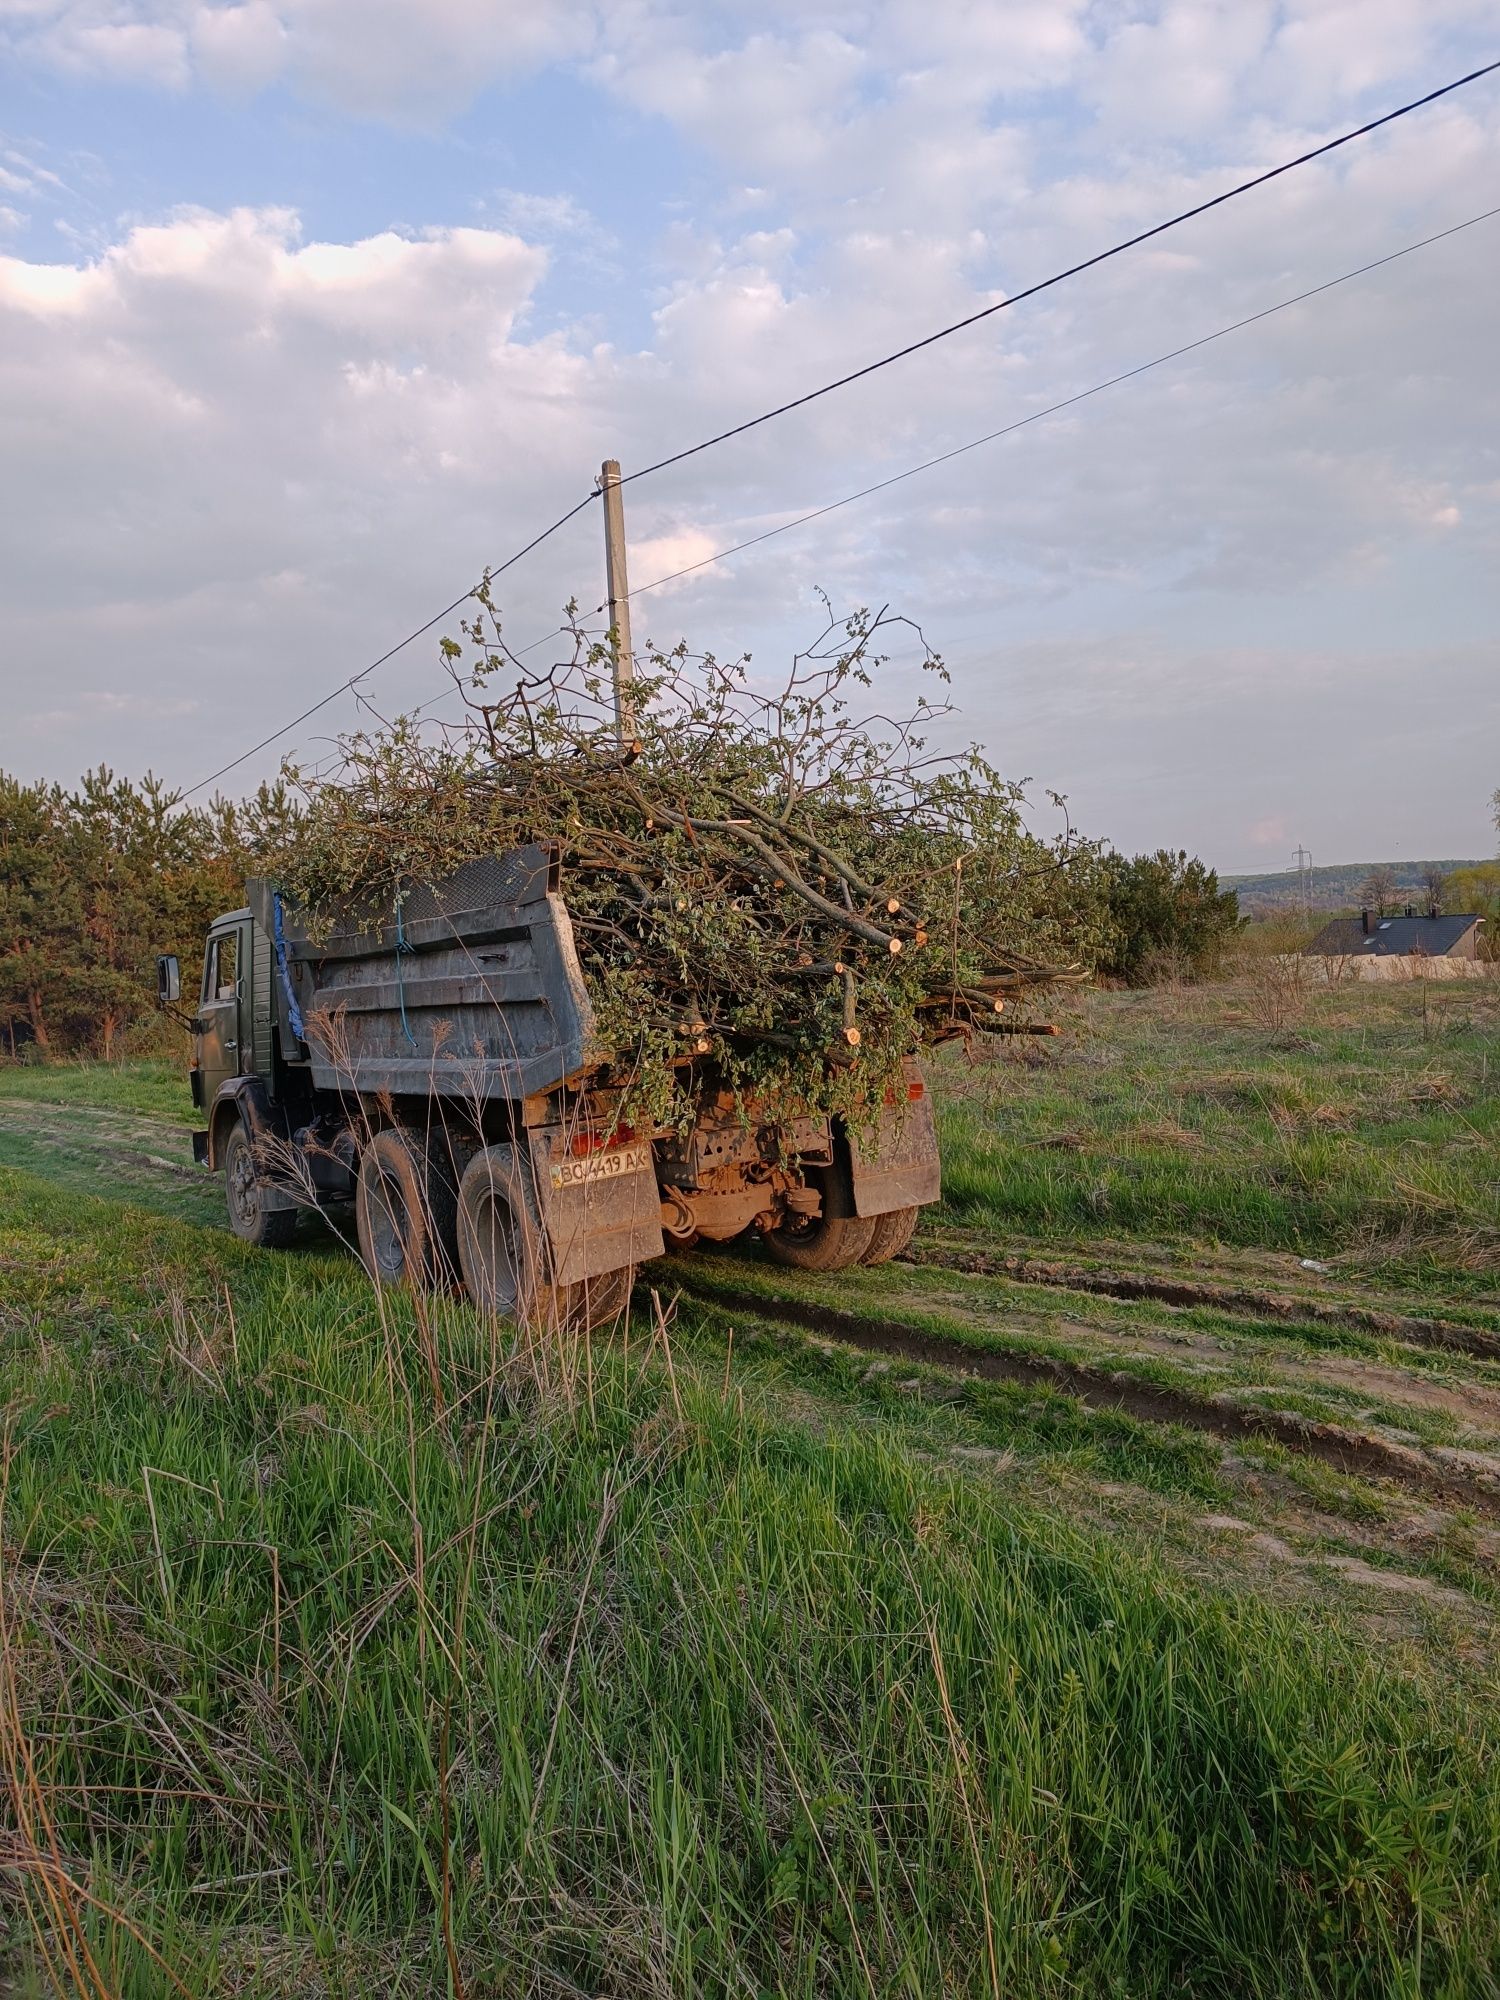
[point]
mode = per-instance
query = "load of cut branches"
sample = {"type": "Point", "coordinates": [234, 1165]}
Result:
{"type": "Point", "coordinates": [775, 878]}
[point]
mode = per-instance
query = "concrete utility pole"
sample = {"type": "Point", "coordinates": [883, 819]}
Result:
{"type": "Point", "coordinates": [618, 599]}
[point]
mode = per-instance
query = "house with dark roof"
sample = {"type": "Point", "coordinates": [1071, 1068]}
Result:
{"type": "Point", "coordinates": [1407, 936]}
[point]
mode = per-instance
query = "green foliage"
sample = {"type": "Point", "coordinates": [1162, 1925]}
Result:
{"type": "Point", "coordinates": [1475, 891]}
{"type": "Point", "coordinates": [763, 873]}
{"type": "Point", "coordinates": [95, 882]}
{"type": "Point", "coordinates": [1165, 911]}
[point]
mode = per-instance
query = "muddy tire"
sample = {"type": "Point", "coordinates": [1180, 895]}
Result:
{"type": "Point", "coordinates": [406, 1212]}
{"type": "Point", "coordinates": [249, 1218]}
{"type": "Point", "coordinates": [502, 1247]}
{"type": "Point", "coordinates": [828, 1243]}
{"type": "Point", "coordinates": [600, 1302]}
{"type": "Point", "coordinates": [892, 1234]}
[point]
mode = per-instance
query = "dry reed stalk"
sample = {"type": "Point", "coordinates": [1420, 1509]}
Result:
{"type": "Point", "coordinates": [34, 1852]}
{"type": "Point", "coordinates": [962, 1769]}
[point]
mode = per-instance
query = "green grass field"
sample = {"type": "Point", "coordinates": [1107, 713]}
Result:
{"type": "Point", "coordinates": [772, 1646]}
{"type": "Point", "coordinates": [1365, 1130]}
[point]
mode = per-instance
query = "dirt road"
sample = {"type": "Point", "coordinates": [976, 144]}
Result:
{"type": "Point", "coordinates": [1399, 1410]}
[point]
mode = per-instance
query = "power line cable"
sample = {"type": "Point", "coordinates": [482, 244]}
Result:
{"type": "Point", "coordinates": [400, 646]}
{"type": "Point", "coordinates": [514, 653]}
{"type": "Point", "coordinates": [870, 368]}
{"type": "Point", "coordinates": [1073, 270]}
{"type": "Point", "coordinates": [1052, 409]}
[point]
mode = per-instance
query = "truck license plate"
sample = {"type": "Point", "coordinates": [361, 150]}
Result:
{"type": "Point", "coordinates": [605, 1166]}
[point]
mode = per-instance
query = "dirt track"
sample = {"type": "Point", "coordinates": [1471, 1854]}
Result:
{"type": "Point", "coordinates": [1456, 1478]}
{"type": "Point", "coordinates": [1293, 1306]}
{"type": "Point", "coordinates": [1216, 1354]}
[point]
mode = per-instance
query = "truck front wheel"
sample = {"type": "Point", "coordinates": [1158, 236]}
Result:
{"type": "Point", "coordinates": [404, 1208]}
{"type": "Point", "coordinates": [824, 1242]}
{"type": "Point", "coordinates": [249, 1217]}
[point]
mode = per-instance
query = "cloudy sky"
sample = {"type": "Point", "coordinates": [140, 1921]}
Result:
{"type": "Point", "coordinates": [309, 309]}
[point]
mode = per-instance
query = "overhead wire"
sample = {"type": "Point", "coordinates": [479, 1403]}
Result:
{"type": "Point", "coordinates": [1067, 402]}
{"type": "Point", "coordinates": [1072, 271]}
{"type": "Point", "coordinates": [400, 646]}
{"type": "Point", "coordinates": [857, 374]}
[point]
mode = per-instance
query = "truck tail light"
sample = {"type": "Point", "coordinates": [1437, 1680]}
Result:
{"type": "Point", "coordinates": [587, 1142]}
{"type": "Point", "coordinates": [915, 1091]}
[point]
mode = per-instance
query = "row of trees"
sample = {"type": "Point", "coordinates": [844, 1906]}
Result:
{"type": "Point", "coordinates": [1475, 891]}
{"type": "Point", "coordinates": [94, 882]}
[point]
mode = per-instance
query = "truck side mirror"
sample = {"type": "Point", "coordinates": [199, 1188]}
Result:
{"type": "Point", "coordinates": [168, 981]}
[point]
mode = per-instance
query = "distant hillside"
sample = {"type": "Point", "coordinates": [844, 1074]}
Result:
{"type": "Point", "coordinates": [1332, 888]}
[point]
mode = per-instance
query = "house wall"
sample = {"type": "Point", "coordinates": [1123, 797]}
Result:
{"type": "Point", "coordinates": [1336, 968]}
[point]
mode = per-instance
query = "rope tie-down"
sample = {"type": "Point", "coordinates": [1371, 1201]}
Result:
{"type": "Point", "coordinates": [403, 952]}
{"type": "Point", "coordinates": [293, 1011]}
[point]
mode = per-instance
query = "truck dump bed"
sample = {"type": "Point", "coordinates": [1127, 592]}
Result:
{"type": "Point", "coordinates": [469, 987]}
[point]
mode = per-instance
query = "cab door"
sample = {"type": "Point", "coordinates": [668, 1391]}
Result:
{"type": "Point", "coordinates": [221, 1010]}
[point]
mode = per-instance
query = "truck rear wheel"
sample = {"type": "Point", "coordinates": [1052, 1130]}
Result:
{"type": "Point", "coordinates": [601, 1301]}
{"type": "Point", "coordinates": [820, 1243]}
{"type": "Point", "coordinates": [501, 1244]}
{"type": "Point", "coordinates": [249, 1218]}
{"type": "Point", "coordinates": [892, 1234]}
{"type": "Point", "coordinates": [506, 1259]}
{"type": "Point", "coordinates": [405, 1208]}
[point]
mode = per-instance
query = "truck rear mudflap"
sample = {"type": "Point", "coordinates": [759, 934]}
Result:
{"type": "Point", "coordinates": [598, 1202]}
{"type": "Point", "coordinates": [896, 1165]}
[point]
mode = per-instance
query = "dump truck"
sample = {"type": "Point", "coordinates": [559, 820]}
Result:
{"type": "Point", "coordinates": [434, 1066]}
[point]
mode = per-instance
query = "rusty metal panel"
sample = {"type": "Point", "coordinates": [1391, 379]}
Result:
{"type": "Point", "coordinates": [601, 1210]}
{"type": "Point", "coordinates": [722, 1140]}
{"type": "Point", "coordinates": [896, 1166]}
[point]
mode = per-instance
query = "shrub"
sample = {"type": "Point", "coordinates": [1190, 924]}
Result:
{"type": "Point", "coordinates": [1165, 909]}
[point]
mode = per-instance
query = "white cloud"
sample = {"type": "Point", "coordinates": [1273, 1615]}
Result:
{"type": "Point", "coordinates": [248, 459]}
{"type": "Point", "coordinates": [381, 57]}
{"type": "Point", "coordinates": [656, 560]}
{"type": "Point", "coordinates": [124, 51]}
{"type": "Point", "coordinates": [238, 48]}
{"type": "Point", "coordinates": [541, 214]}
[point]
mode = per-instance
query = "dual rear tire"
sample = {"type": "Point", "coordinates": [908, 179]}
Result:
{"type": "Point", "coordinates": [507, 1260]}
{"type": "Point", "coordinates": [833, 1242]}
{"type": "Point", "coordinates": [425, 1224]}
{"type": "Point", "coordinates": [406, 1211]}
{"type": "Point", "coordinates": [892, 1233]}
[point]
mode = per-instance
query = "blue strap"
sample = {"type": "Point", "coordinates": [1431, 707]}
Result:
{"type": "Point", "coordinates": [294, 1012]}
{"type": "Point", "coordinates": [403, 950]}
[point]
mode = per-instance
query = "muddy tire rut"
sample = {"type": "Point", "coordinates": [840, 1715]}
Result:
{"type": "Point", "coordinates": [1289, 1308]}
{"type": "Point", "coordinates": [1446, 1475]}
